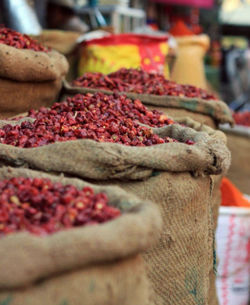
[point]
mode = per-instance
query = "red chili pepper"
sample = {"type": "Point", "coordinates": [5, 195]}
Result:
{"type": "Point", "coordinates": [20, 41]}
{"type": "Point", "coordinates": [141, 82]}
{"type": "Point", "coordinates": [242, 118]}
{"type": "Point", "coordinates": [42, 207]}
{"type": "Point", "coordinates": [100, 117]}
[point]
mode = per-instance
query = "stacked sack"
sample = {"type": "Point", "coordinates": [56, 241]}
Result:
{"type": "Point", "coordinates": [30, 74]}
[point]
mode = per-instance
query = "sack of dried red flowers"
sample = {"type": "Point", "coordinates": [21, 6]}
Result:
{"type": "Point", "coordinates": [157, 93]}
{"type": "Point", "coordinates": [170, 165]}
{"type": "Point", "coordinates": [65, 241]}
{"type": "Point", "coordinates": [30, 74]}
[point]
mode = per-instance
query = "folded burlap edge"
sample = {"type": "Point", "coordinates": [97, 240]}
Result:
{"type": "Point", "coordinates": [98, 160]}
{"type": "Point", "coordinates": [26, 258]}
{"type": "Point", "coordinates": [26, 65]}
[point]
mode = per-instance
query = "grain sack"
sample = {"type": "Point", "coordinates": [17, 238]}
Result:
{"type": "Point", "coordinates": [173, 175]}
{"type": "Point", "coordinates": [209, 112]}
{"type": "Point", "coordinates": [100, 264]}
{"type": "Point", "coordinates": [28, 76]}
{"type": "Point", "coordinates": [239, 144]}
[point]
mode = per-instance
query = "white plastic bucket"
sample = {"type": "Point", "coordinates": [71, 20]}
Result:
{"type": "Point", "coordinates": [233, 251]}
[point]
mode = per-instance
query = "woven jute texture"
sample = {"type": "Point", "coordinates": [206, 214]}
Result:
{"type": "Point", "coordinates": [64, 42]}
{"type": "Point", "coordinates": [122, 281]}
{"type": "Point", "coordinates": [99, 264]}
{"type": "Point", "coordinates": [17, 97]}
{"type": "Point", "coordinates": [217, 110]}
{"type": "Point", "coordinates": [31, 66]}
{"type": "Point", "coordinates": [215, 203]}
{"type": "Point", "coordinates": [29, 79]}
{"type": "Point", "coordinates": [61, 41]}
{"type": "Point", "coordinates": [175, 176]}
{"type": "Point", "coordinates": [239, 145]}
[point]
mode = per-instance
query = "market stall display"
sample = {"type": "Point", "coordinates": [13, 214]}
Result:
{"type": "Point", "coordinates": [30, 74]}
{"type": "Point", "coordinates": [115, 178]}
{"type": "Point", "coordinates": [185, 249]}
{"type": "Point", "coordinates": [85, 262]}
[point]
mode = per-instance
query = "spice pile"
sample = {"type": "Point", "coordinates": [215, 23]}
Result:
{"type": "Point", "coordinates": [42, 207]}
{"type": "Point", "coordinates": [20, 41]}
{"type": "Point", "coordinates": [100, 117]}
{"type": "Point", "coordinates": [115, 105]}
{"type": "Point", "coordinates": [140, 82]}
{"type": "Point", "coordinates": [242, 118]}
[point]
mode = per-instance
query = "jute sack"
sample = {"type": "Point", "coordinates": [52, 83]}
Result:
{"type": "Point", "coordinates": [215, 204]}
{"type": "Point", "coordinates": [209, 112]}
{"type": "Point", "coordinates": [175, 176]}
{"type": "Point", "coordinates": [66, 43]}
{"type": "Point", "coordinates": [29, 78]}
{"type": "Point", "coordinates": [61, 41]}
{"type": "Point", "coordinates": [98, 264]}
{"type": "Point", "coordinates": [238, 139]}
{"type": "Point", "coordinates": [17, 97]}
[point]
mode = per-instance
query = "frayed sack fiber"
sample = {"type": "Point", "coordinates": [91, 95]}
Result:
{"type": "Point", "coordinates": [99, 264]}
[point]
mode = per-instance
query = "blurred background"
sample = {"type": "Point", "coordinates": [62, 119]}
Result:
{"type": "Point", "coordinates": [225, 55]}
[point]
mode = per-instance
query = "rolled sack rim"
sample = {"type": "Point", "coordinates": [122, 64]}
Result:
{"type": "Point", "coordinates": [142, 214]}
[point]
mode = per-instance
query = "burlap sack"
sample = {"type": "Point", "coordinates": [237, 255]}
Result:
{"type": "Point", "coordinates": [66, 43]}
{"type": "Point", "coordinates": [175, 176]}
{"type": "Point", "coordinates": [26, 65]}
{"type": "Point", "coordinates": [209, 112]}
{"type": "Point", "coordinates": [17, 97]}
{"type": "Point", "coordinates": [29, 79]}
{"type": "Point", "coordinates": [216, 179]}
{"type": "Point", "coordinates": [97, 264]}
{"type": "Point", "coordinates": [61, 41]}
{"type": "Point", "coordinates": [238, 140]}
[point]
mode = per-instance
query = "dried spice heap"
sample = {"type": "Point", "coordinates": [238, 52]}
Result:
{"type": "Point", "coordinates": [141, 82]}
{"type": "Point", "coordinates": [242, 118]}
{"type": "Point", "coordinates": [42, 207]}
{"type": "Point", "coordinates": [103, 118]}
{"type": "Point", "coordinates": [112, 105]}
{"type": "Point", "coordinates": [20, 41]}
{"type": "Point", "coordinates": [101, 81]}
